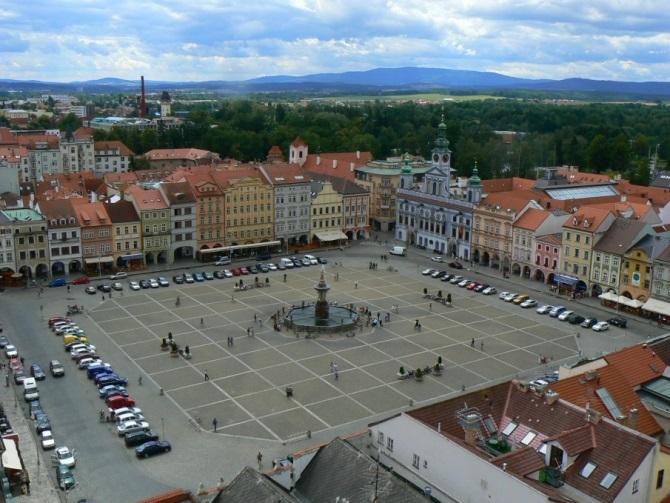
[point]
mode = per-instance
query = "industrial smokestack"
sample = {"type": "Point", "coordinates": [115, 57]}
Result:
{"type": "Point", "coordinates": [143, 100]}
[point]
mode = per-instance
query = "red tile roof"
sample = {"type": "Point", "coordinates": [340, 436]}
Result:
{"type": "Point", "coordinates": [657, 195]}
{"type": "Point", "coordinates": [91, 214]}
{"type": "Point", "coordinates": [337, 163]}
{"type": "Point", "coordinates": [625, 208]}
{"type": "Point", "coordinates": [190, 154]}
{"type": "Point", "coordinates": [638, 363]}
{"type": "Point", "coordinates": [531, 219]}
{"type": "Point", "coordinates": [582, 391]}
{"type": "Point", "coordinates": [586, 218]}
{"type": "Point", "coordinates": [552, 239]}
{"type": "Point", "coordinates": [113, 145]}
{"type": "Point", "coordinates": [514, 200]}
{"type": "Point", "coordinates": [298, 142]}
{"type": "Point", "coordinates": [150, 199]}
{"type": "Point", "coordinates": [522, 461]}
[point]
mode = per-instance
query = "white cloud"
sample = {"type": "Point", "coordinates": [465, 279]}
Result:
{"type": "Point", "coordinates": [234, 39]}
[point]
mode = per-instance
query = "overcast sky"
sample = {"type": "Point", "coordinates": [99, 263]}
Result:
{"type": "Point", "coordinates": [65, 40]}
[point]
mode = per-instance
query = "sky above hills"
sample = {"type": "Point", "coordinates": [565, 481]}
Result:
{"type": "Point", "coordinates": [66, 40]}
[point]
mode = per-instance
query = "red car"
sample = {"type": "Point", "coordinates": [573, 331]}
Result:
{"type": "Point", "coordinates": [116, 402]}
{"type": "Point", "coordinates": [15, 364]}
{"type": "Point", "coordinates": [236, 271]}
{"type": "Point", "coordinates": [472, 286]}
{"type": "Point", "coordinates": [82, 280]}
{"type": "Point", "coordinates": [244, 271]}
{"type": "Point", "coordinates": [55, 319]}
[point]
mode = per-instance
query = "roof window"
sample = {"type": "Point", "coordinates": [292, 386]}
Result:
{"type": "Point", "coordinates": [509, 429]}
{"type": "Point", "coordinates": [588, 469]}
{"type": "Point", "coordinates": [530, 436]}
{"type": "Point", "coordinates": [608, 480]}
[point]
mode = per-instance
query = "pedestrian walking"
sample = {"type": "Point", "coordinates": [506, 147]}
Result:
{"type": "Point", "coordinates": [481, 346]}
{"type": "Point", "coordinates": [214, 423]}
{"type": "Point", "coordinates": [139, 380]}
{"type": "Point", "coordinates": [430, 306]}
{"type": "Point", "coordinates": [355, 284]}
{"type": "Point", "coordinates": [284, 277]}
{"type": "Point", "coordinates": [472, 343]}
{"type": "Point", "coordinates": [332, 367]}
{"type": "Point", "coordinates": [381, 323]}
{"type": "Point", "coordinates": [202, 321]}
{"type": "Point", "coordinates": [206, 376]}
{"type": "Point", "coordinates": [259, 458]}
{"type": "Point", "coordinates": [68, 289]}
{"type": "Point", "coordinates": [255, 318]}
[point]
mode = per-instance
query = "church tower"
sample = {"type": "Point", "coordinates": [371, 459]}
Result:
{"type": "Point", "coordinates": [406, 177]}
{"type": "Point", "coordinates": [297, 153]}
{"type": "Point", "coordinates": [474, 186]}
{"type": "Point", "coordinates": [438, 178]}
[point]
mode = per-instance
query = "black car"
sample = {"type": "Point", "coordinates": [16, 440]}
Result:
{"type": "Point", "coordinates": [152, 448]}
{"type": "Point", "coordinates": [219, 275]}
{"type": "Point", "coordinates": [111, 379]}
{"type": "Point", "coordinates": [144, 283]}
{"type": "Point", "coordinates": [104, 288]}
{"type": "Point", "coordinates": [575, 319]}
{"type": "Point", "coordinates": [456, 265]}
{"type": "Point", "coordinates": [37, 372]}
{"type": "Point", "coordinates": [135, 438]}
{"type": "Point", "coordinates": [322, 260]}
{"type": "Point", "coordinates": [179, 279]}
{"type": "Point", "coordinates": [297, 263]}
{"type": "Point", "coordinates": [481, 288]}
{"type": "Point", "coordinates": [42, 422]}
{"type": "Point", "coordinates": [19, 376]}
{"type": "Point", "coordinates": [446, 277]}
{"type": "Point", "coordinates": [617, 321]}
{"type": "Point", "coordinates": [35, 408]}
{"type": "Point", "coordinates": [3, 341]}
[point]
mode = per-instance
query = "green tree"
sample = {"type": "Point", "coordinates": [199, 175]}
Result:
{"type": "Point", "coordinates": [69, 123]}
{"type": "Point", "coordinates": [599, 154]}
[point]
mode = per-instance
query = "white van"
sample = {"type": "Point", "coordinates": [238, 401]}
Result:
{"type": "Point", "coordinates": [312, 259]}
{"type": "Point", "coordinates": [398, 250]}
{"type": "Point", "coordinates": [287, 262]}
{"type": "Point", "coordinates": [30, 392]}
{"type": "Point", "coordinates": [223, 261]}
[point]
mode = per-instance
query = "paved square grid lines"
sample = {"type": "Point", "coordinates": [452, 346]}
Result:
{"type": "Point", "coordinates": [245, 389]}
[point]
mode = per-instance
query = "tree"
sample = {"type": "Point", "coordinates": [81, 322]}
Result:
{"type": "Point", "coordinates": [69, 123]}
{"type": "Point", "coordinates": [598, 154]}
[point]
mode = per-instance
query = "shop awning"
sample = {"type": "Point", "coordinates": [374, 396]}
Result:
{"type": "Point", "coordinates": [10, 458]}
{"type": "Point", "coordinates": [620, 299]}
{"type": "Point", "coordinates": [331, 235]}
{"type": "Point", "coordinates": [98, 260]}
{"type": "Point", "coordinates": [248, 246]}
{"type": "Point", "coordinates": [657, 306]}
{"type": "Point", "coordinates": [566, 280]}
{"type": "Point", "coordinates": [136, 256]}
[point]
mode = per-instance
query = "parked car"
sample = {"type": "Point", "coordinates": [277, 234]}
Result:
{"type": "Point", "coordinates": [139, 437]}
{"type": "Point", "coordinates": [153, 283]}
{"type": "Point", "coordinates": [126, 410]}
{"type": "Point", "coordinates": [117, 286]}
{"type": "Point", "coordinates": [188, 278]}
{"type": "Point", "coordinates": [105, 379]}
{"type": "Point", "coordinates": [145, 284]}
{"type": "Point", "coordinates": [272, 266]}
{"type": "Point", "coordinates": [42, 422]}
{"type": "Point", "coordinates": [491, 290]}
{"type": "Point", "coordinates": [11, 351]}
{"type": "Point", "coordinates": [446, 277]}
{"type": "Point", "coordinates": [134, 285]}
{"type": "Point", "coordinates": [244, 271]}
{"type": "Point", "coordinates": [228, 273]}
{"type": "Point", "coordinates": [456, 265]}
{"type": "Point", "coordinates": [322, 260]}
{"type": "Point", "coordinates": [81, 280]}
{"type": "Point", "coordinates": [219, 274]}
{"type": "Point", "coordinates": [438, 274]}
{"type": "Point", "coordinates": [19, 375]}
{"type": "Point", "coordinates": [162, 281]}
{"type": "Point", "coordinates": [152, 448]}
{"type": "Point", "coordinates": [456, 279]}
{"type": "Point", "coordinates": [47, 440]}
{"type": "Point", "coordinates": [37, 372]}
{"type": "Point", "coordinates": [564, 315]}
{"type": "Point", "coordinates": [104, 288]}
{"type": "Point", "coordinates": [57, 282]}
{"type": "Point", "coordinates": [109, 389]}
{"type": "Point", "coordinates": [545, 309]}
{"type": "Point", "coordinates": [208, 276]}
{"type": "Point", "coordinates": [264, 268]}
{"type": "Point", "coordinates": [520, 298]}
{"type": "Point", "coordinates": [463, 283]}
{"type": "Point", "coordinates": [118, 275]}
{"type": "Point", "coordinates": [617, 321]}
{"type": "Point", "coordinates": [575, 319]}
{"type": "Point", "coordinates": [65, 478]}
{"type": "Point", "coordinates": [510, 297]}
{"type": "Point", "coordinates": [428, 271]}
{"type": "Point", "coordinates": [437, 258]}
{"type": "Point", "coordinates": [35, 408]}
{"type": "Point", "coordinates": [528, 303]}
{"type": "Point", "coordinates": [178, 279]}
{"type": "Point", "coordinates": [85, 362]}
{"type": "Point", "coordinates": [116, 402]}
{"type": "Point", "coordinates": [130, 426]}
{"type": "Point", "coordinates": [472, 285]}
{"type": "Point", "coordinates": [90, 290]}
{"type": "Point", "coordinates": [222, 261]}
{"type": "Point", "coordinates": [556, 310]}
{"type": "Point", "coordinates": [3, 342]}
{"type": "Point", "coordinates": [589, 322]}
{"type": "Point", "coordinates": [128, 416]}
{"type": "Point", "coordinates": [65, 457]}
{"type": "Point", "coordinates": [601, 326]}
{"type": "Point", "coordinates": [198, 277]}
{"type": "Point", "coordinates": [503, 295]}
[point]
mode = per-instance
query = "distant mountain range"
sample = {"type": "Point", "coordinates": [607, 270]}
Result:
{"type": "Point", "coordinates": [375, 80]}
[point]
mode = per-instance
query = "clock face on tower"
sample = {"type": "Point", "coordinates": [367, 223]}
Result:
{"type": "Point", "coordinates": [436, 157]}
{"type": "Point", "coordinates": [445, 158]}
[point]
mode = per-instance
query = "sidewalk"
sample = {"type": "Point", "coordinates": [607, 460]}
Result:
{"type": "Point", "coordinates": [42, 488]}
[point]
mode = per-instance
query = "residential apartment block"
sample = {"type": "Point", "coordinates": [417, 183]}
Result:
{"type": "Point", "coordinates": [326, 213]}
{"type": "Point", "coordinates": [96, 236]}
{"type": "Point", "coordinates": [64, 236]}
{"type": "Point", "coordinates": [127, 248]}
{"type": "Point", "coordinates": [31, 246]}
{"type": "Point", "coordinates": [154, 215]}
{"type": "Point", "coordinates": [111, 157]}
{"type": "Point", "coordinates": [182, 203]}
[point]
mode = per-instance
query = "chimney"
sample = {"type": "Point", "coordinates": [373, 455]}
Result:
{"type": "Point", "coordinates": [358, 154]}
{"type": "Point", "coordinates": [93, 196]}
{"type": "Point", "coordinates": [504, 467]}
{"type": "Point", "coordinates": [471, 437]}
{"type": "Point", "coordinates": [334, 163]}
{"type": "Point", "coordinates": [318, 159]}
{"type": "Point", "coordinates": [590, 375]}
{"type": "Point", "coordinates": [351, 167]}
{"type": "Point", "coordinates": [592, 415]}
{"type": "Point", "coordinates": [633, 416]}
{"type": "Point", "coordinates": [624, 198]}
{"type": "Point", "coordinates": [143, 101]}
{"type": "Point", "coordinates": [551, 397]}
{"type": "Point", "coordinates": [520, 385]}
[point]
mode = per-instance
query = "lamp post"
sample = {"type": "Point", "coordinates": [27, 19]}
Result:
{"type": "Point", "coordinates": [163, 428]}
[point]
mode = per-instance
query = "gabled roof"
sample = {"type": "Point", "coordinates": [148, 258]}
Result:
{"type": "Point", "coordinates": [582, 390]}
{"type": "Point", "coordinates": [298, 142]}
{"type": "Point", "coordinates": [340, 185]}
{"type": "Point", "coordinates": [250, 485]}
{"type": "Point", "coordinates": [577, 440]}
{"type": "Point", "coordinates": [91, 214]}
{"type": "Point", "coordinates": [122, 211]}
{"type": "Point", "coordinates": [150, 199]}
{"type": "Point", "coordinates": [638, 363]}
{"type": "Point", "coordinates": [178, 193]}
{"type": "Point", "coordinates": [340, 164]}
{"type": "Point", "coordinates": [113, 145]}
{"type": "Point", "coordinates": [661, 346]}
{"type": "Point", "coordinates": [507, 200]}
{"type": "Point", "coordinates": [284, 173]}
{"type": "Point", "coordinates": [522, 461]}
{"type": "Point", "coordinates": [621, 235]}
{"type": "Point", "coordinates": [626, 209]}
{"type": "Point", "coordinates": [586, 219]}
{"type": "Point", "coordinates": [350, 480]}
{"type": "Point", "coordinates": [531, 219]}
{"type": "Point", "coordinates": [56, 210]}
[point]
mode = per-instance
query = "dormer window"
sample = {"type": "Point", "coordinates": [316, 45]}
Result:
{"type": "Point", "coordinates": [509, 429]}
{"type": "Point", "coordinates": [588, 469]}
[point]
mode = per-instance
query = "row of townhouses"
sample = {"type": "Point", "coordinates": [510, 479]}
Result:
{"type": "Point", "coordinates": [80, 223]}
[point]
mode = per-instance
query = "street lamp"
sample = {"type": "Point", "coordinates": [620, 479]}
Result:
{"type": "Point", "coordinates": [163, 428]}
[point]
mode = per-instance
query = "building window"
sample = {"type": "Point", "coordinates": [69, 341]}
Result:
{"type": "Point", "coordinates": [659, 479]}
{"type": "Point", "coordinates": [608, 480]}
{"type": "Point", "coordinates": [636, 485]}
{"type": "Point", "coordinates": [416, 461]}
{"type": "Point", "coordinates": [530, 436]}
{"type": "Point", "coordinates": [389, 444]}
{"type": "Point", "coordinates": [588, 469]}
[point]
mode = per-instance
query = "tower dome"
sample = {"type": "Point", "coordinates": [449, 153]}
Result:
{"type": "Point", "coordinates": [474, 180]}
{"type": "Point", "coordinates": [406, 166]}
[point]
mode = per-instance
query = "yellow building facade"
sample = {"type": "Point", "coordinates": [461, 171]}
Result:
{"type": "Point", "coordinates": [249, 207]}
{"type": "Point", "coordinates": [326, 211]}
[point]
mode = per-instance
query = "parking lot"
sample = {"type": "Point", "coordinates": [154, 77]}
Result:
{"type": "Point", "coordinates": [243, 386]}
